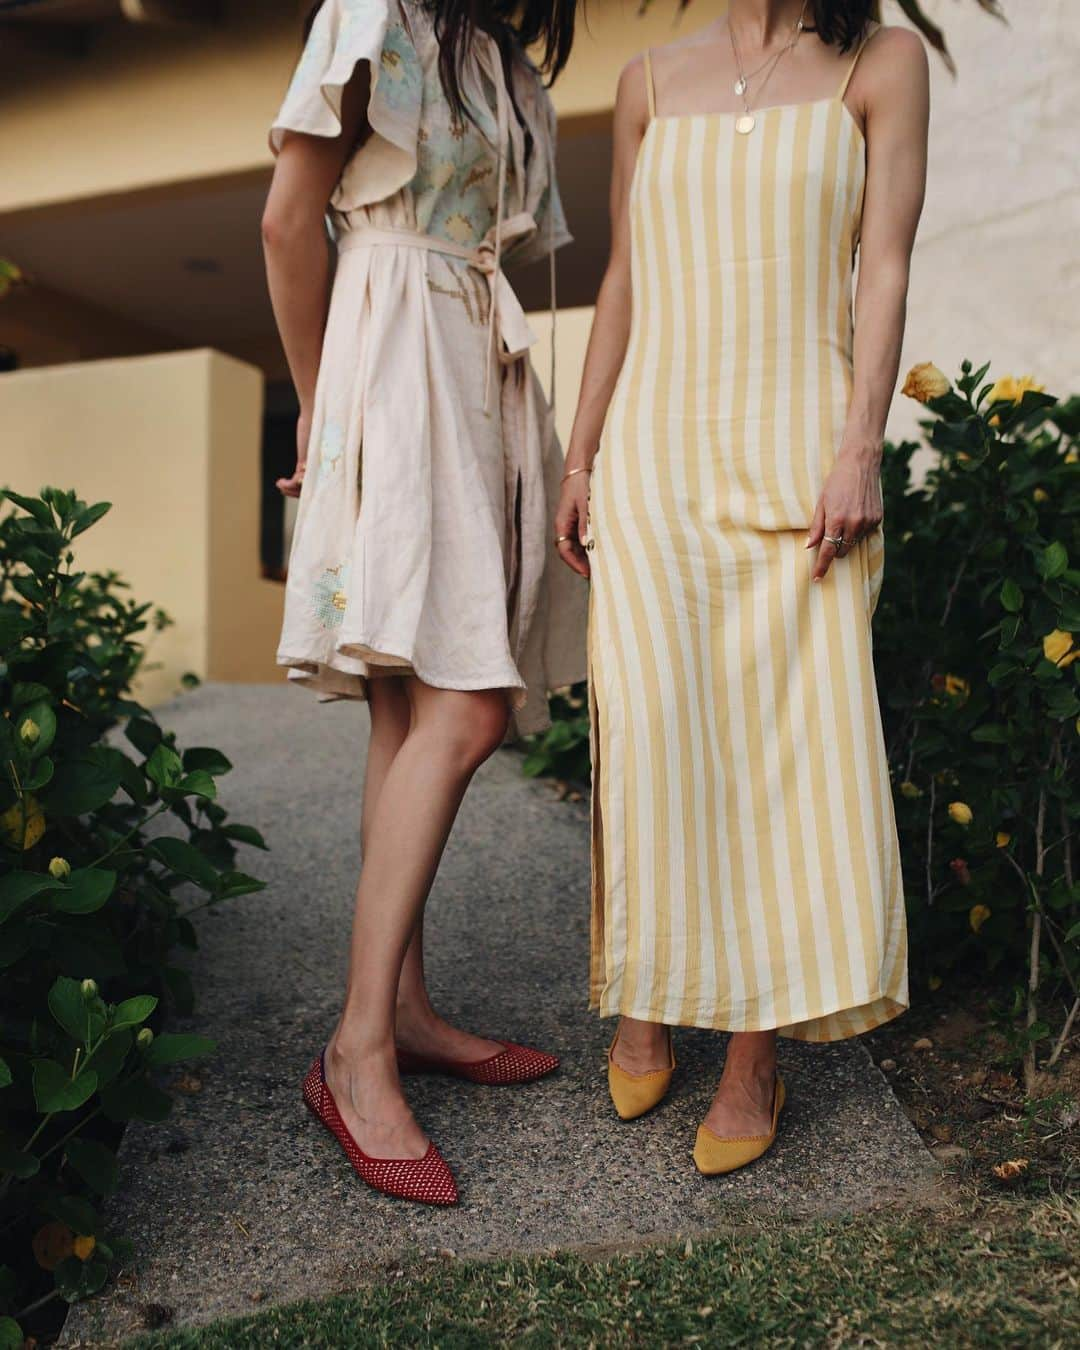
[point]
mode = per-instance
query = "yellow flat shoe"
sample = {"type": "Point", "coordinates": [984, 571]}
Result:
{"type": "Point", "coordinates": [714, 1154]}
{"type": "Point", "coordinates": [636, 1093]}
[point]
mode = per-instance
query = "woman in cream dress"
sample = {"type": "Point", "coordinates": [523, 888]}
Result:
{"type": "Point", "coordinates": [421, 577]}
{"type": "Point", "coordinates": [746, 873]}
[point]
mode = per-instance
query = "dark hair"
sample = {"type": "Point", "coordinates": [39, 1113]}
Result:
{"type": "Point", "coordinates": [840, 23]}
{"type": "Point", "coordinates": [547, 25]}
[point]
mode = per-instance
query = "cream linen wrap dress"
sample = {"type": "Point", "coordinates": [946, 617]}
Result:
{"type": "Point", "coordinates": [423, 538]}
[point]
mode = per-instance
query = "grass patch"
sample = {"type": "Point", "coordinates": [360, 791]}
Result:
{"type": "Point", "coordinates": [1001, 1273]}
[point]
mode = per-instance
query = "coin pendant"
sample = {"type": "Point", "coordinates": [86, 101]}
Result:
{"type": "Point", "coordinates": [744, 124]}
{"type": "Point", "coordinates": [740, 86]}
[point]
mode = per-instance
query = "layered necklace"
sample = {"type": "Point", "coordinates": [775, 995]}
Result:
{"type": "Point", "coordinates": [744, 123]}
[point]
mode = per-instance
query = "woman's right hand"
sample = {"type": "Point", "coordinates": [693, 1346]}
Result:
{"type": "Point", "coordinates": [572, 523]}
{"type": "Point", "coordinates": [290, 487]}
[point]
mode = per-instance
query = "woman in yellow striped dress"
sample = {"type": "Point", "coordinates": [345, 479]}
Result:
{"type": "Point", "coordinates": [746, 875]}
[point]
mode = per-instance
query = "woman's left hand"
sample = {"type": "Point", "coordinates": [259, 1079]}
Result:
{"type": "Point", "coordinates": [849, 507]}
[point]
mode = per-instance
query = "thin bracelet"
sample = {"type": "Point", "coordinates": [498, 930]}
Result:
{"type": "Point", "coordinates": [571, 473]}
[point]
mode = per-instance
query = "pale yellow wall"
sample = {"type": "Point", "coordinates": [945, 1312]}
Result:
{"type": "Point", "coordinates": [147, 107]}
{"type": "Point", "coordinates": [173, 442]}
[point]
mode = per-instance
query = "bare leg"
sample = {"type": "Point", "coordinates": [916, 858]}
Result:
{"type": "Point", "coordinates": [450, 735]}
{"type": "Point", "coordinates": [419, 1027]}
{"type": "Point", "coordinates": [744, 1099]}
{"type": "Point", "coordinates": [641, 1047]}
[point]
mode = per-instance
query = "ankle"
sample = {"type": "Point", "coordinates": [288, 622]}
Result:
{"type": "Point", "coordinates": [348, 1050]}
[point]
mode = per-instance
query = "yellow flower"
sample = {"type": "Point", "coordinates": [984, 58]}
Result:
{"type": "Point", "coordinates": [978, 916]}
{"type": "Point", "coordinates": [924, 382]}
{"type": "Point", "coordinates": [960, 812]}
{"type": "Point", "coordinates": [955, 684]}
{"type": "Point", "coordinates": [910, 790]}
{"type": "Point", "coordinates": [1072, 456]}
{"type": "Point", "coordinates": [1058, 648]}
{"type": "Point", "coordinates": [83, 1247]}
{"type": "Point", "coordinates": [1040, 495]}
{"type": "Point", "coordinates": [1009, 389]}
{"type": "Point", "coordinates": [60, 869]}
{"type": "Point", "coordinates": [1002, 839]}
{"type": "Point", "coordinates": [12, 826]}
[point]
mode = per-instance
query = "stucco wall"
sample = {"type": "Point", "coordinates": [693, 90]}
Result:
{"type": "Point", "coordinates": [174, 443]}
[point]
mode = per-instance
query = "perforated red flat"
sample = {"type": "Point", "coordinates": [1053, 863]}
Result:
{"type": "Point", "coordinates": [427, 1179]}
{"type": "Point", "coordinates": [512, 1064]}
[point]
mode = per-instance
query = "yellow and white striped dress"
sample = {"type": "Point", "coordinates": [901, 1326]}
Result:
{"type": "Point", "coordinates": [746, 872]}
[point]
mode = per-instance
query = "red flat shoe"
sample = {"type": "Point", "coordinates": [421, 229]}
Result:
{"type": "Point", "coordinates": [512, 1064]}
{"type": "Point", "coordinates": [426, 1179]}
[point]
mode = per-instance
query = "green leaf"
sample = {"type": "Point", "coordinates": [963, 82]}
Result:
{"type": "Point", "coordinates": [235, 884]}
{"type": "Point", "coordinates": [5, 1074]}
{"type": "Point", "coordinates": [70, 1009]}
{"type": "Point", "coordinates": [11, 1337]}
{"type": "Point", "coordinates": [77, 1280]}
{"type": "Point", "coordinates": [135, 1100]}
{"type": "Point", "coordinates": [90, 515]}
{"type": "Point", "coordinates": [56, 1091]}
{"type": "Point", "coordinates": [246, 834]}
{"type": "Point", "coordinates": [144, 735]}
{"type": "Point", "coordinates": [38, 509]}
{"type": "Point", "coordinates": [198, 784]}
{"type": "Point", "coordinates": [17, 888]}
{"type": "Point", "coordinates": [992, 732]}
{"type": "Point", "coordinates": [1053, 561]}
{"type": "Point", "coordinates": [87, 890]}
{"type": "Point", "coordinates": [164, 766]}
{"type": "Point", "coordinates": [95, 1163]}
{"type": "Point", "coordinates": [19, 1164]}
{"type": "Point", "coordinates": [208, 760]}
{"type": "Point", "coordinates": [81, 785]}
{"type": "Point", "coordinates": [76, 1211]}
{"type": "Point", "coordinates": [40, 774]}
{"type": "Point", "coordinates": [1012, 597]}
{"type": "Point", "coordinates": [172, 1047]}
{"type": "Point", "coordinates": [133, 1011]}
{"type": "Point", "coordinates": [185, 859]}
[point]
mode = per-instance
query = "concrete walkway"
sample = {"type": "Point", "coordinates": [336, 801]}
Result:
{"type": "Point", "coordinates": [241, 1200]}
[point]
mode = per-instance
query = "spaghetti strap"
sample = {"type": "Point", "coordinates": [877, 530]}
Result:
{"type": "Point", "coordinates": [855, 61]}
{"type": "Point", "coordinates": [649, 89]}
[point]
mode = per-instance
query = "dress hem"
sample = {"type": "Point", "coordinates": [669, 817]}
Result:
{"type": "Point", "coordinates": [886, 1006]}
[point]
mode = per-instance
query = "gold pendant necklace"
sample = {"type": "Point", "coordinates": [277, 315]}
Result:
{"type": "Point", "coordinates": [745, 122]}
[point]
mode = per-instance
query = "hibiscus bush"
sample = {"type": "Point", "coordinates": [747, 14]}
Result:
{"type": "Point", "coordinates": [980, 688]}
{"type": "Point", "coordinates": [111, 839]}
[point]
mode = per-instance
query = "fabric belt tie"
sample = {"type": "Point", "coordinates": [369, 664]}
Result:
{"type": "Point", "coordinates": [509, 334]}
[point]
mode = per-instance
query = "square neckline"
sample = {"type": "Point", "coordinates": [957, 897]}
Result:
{"type": "Point", "coordinates": [721, 114]}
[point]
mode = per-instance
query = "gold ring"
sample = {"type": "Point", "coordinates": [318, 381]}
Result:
{"type": "Point", "coordinates": [562, 539]}
{"type": "Point", "coordinates": [837, 540]}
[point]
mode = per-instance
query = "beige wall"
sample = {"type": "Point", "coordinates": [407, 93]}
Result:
{"type": "Point", "coordinates": [997, 268]}
{"type": "Point", "coordinates": [174, 443]}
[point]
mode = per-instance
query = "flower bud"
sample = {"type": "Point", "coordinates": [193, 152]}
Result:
{"type": "Point", "coordinates": [961, 813]}
{"type": "Point", "coordinates": [924, 382]}
{"type": "Point", "coordinates": [910, 790]}
{"type": "Point", "coordinates": [29, 732]}
{"type": "Point", "coordinates": [60, 869]}
{"type": "Point", "coordinates": [89, 990]}
{"type": "Point", "coordinates": [144, 1039]}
